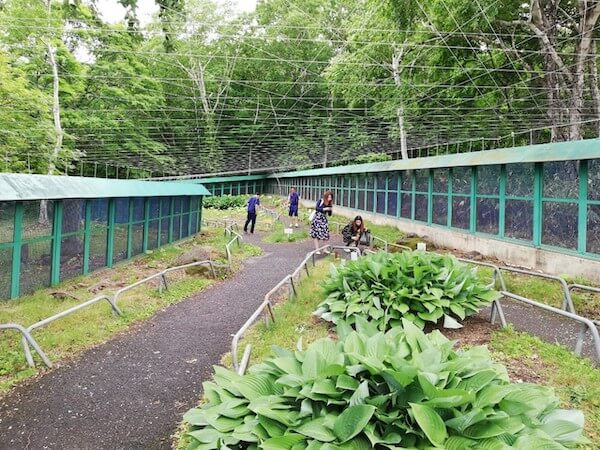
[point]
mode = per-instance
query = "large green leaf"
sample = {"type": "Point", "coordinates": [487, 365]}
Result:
{"type": "Point", "coordinates": [352, 421]}
{"type": "Point", "coordinates": [430, 422]}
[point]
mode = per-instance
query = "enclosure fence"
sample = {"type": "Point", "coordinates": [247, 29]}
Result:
{"type": "Point", "coordinates": [45, 242]}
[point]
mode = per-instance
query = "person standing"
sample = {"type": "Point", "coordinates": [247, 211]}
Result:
{"type": "Point", "coordinates": [319, 227]}
{"type": "Point", "coordinates": [253, 202]}
{"type": "Point", "coordinates": [293, 203]}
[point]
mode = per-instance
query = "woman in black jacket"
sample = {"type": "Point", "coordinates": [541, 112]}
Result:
{"type": "Point", "coordinates": [354, 231]}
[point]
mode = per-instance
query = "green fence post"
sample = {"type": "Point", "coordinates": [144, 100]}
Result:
{"type": "Point", "coordinates": [502, 200]}
{"type": "Point", "coordinates": [538, 178]}
{"type": "Point", "coordinates": [16, 251]}
{"type": "Point", "coordinates": [374, 193]}
{"type": "Point", "coordinates": [450, 187]}
{"type": "Point", "coordinates": [87, 236]}
{"type": "Point", "coordinates": [473, 217]}
{"type": "Point", "coordinates": [146, 224]}
{"type": "Point", "coordinates": [582, 219]}
{"type": "Point", "coordinates": [130, 229]}
{"type": "Point", "coordinates": [56, 243]}
{"type": "Point", "coordinates": [430, 196]}
{"type": "Point", "coordinates": [110, 235]}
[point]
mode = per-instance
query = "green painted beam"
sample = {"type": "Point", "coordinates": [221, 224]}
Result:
{"type": "Point", "coordinates": [110, 234]}
{"type": "Point", "coordinates": [537, 204]}
{"type": "Point", "coordinates": [582, 212]}
{"type": "Point", "coordinates": [560, 151]}
{"type": "Point", "coordinates": [56, 244]}
{"type": "Point", "coordinates": [87, 236]}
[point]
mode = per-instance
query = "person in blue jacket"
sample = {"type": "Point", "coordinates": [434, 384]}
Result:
{"type": "Point", "coordinates": [253, 202]}
{"type": "Point", "coordinates": [293, 203]}
{"type": "Point", "coordinates": [319, 227]}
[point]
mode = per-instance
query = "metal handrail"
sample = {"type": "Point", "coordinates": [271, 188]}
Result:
{"type": "Point", "coordinates": [27, 339]}
{"type": "Point", "coordinates": [587, 324]}
{"type": "Point", "coordinates": [567, 304]}
{"type": "Point", "coordinates": [583, 287]}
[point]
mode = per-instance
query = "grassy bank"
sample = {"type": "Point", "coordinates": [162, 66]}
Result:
{"type": "Point", "coordinates": [576, 380]}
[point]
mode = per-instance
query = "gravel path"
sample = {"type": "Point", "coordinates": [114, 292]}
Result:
{"type": "Point", "coordinates": [548, 326]}
{"type": "Point", "coordinates": [131, 392]}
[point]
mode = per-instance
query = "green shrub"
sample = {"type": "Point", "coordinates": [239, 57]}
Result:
{"type": "Point", "coordinates": [402, 389]}
{"type": "Point", "coordinates": [225, 201]}
{"type": "Point", "coordinates": [418, 286]}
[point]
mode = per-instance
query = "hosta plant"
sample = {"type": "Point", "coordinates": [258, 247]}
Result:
{"type": "Point", "coordinates": [417, 286]}
{"type": "Point", "coordinates": [399, 390]}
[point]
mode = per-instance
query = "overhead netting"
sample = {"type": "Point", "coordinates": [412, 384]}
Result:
{"type": "Point", "coordinates": [295, 84]}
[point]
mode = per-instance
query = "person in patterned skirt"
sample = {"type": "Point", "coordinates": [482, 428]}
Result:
{"type": "Point", "coordinates": [319, 227]}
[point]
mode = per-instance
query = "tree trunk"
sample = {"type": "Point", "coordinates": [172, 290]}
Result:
{"type": "Point", "coordinates": [589, 18]}
{"type": "Point", "coordinates": [43, 217]}
{"type": "Point", "coordinates": [594, 89]}
{"type": "Point", "coordinates": [328, 137]}
{"type": "Point", "coordinates": [396, 58]}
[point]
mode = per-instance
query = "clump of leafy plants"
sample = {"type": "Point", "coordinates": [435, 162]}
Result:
{"type": "Point", "coordinates": [225, 201]}
{"type": "Point", "coordinates": [417, 286]}
{"type": "Point", "coordinates": [369, 389]}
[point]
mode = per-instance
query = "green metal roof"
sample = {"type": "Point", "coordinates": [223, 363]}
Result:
{"type": "Point", "coordinates": [562, 151]}
{"type": "Point", "coordinates": [15, 186]}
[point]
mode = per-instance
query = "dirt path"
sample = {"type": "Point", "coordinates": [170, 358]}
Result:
{"type": "Point", "coordinates": [131, 392]}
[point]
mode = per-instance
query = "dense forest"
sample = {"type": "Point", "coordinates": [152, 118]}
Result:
{"type": "Point", "coordinates": [295, 83]}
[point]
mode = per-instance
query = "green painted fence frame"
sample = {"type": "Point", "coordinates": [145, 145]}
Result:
{"type": "Point", "coordinates": [188, 217]}
{"type": "Point", "coordinates": [485, 186]}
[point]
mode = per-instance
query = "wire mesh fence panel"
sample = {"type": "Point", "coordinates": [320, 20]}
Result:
{"type": "Point", "coordinates": [7, 221]}
{"type": "Point", "coordinates": [99, 235]}
{"type": "Point", "coordinates": [488, 215]}
{"type": "Point", "coordinates": [153, 234]}
{"type": "Point", "coordinates": [519, 219]}
{"type": "Point", "coordinates": [406, 205]}
{"type": "Point", "coordinates": [559, 226]}
{"type": "Point", "coordinates": [185, 222]}
{"type": "Point", "coordinates": [593, 229]}
{"type": "Point", "coordinates": [392, 203]}
{"type": "Point", "coordinates": [440, 209]}
{"type": "Point", "coordinates": [164, 231]}
{"type": "Point", "coordinates": [121, 229]}
{"type": "Point", "coordinates": [194, 221]}
{"type": "Point", "coordinates": [36, 248]}
{"type": "Point", "coordinates": [5, 272]}
{"type": "Point", "coordinates": [137, 239]}
{"type": "Point", "coordinates": [176, 228]}
{"type": "Point", "coordinates": [461, 212]}
{"type": "Point", "coordinates": [72, 231]}
{"type": "Point", "coordinates": [36, 263]}
{"type": "Point", "coordinates": [421, 203]}
{"type": "Point", "coordinates": [560, 204]}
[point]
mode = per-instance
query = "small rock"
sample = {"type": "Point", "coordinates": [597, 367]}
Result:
{"type": "Point", "coordinates": [474, 255]}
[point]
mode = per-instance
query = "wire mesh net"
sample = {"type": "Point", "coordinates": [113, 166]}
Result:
{"type": "Point", "coordinates": [99, 233]}
{"type": "Point", "coordinates": [121, 231]}
{"type": "Point", "coordinates": [36, 249]}
{"type": "Point", "coordinates": [72, 242]}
